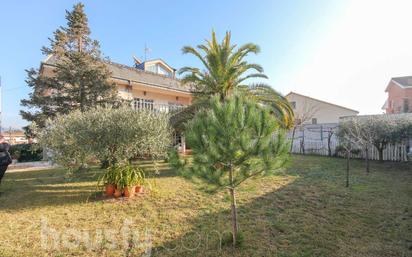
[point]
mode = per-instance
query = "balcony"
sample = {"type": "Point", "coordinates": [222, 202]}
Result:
{"type": "Point", "coordinates": [145, 104]}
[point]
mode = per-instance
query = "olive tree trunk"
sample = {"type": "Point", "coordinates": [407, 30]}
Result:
{"type": "Point", "coordinates": [347, 167]}
{"type": "Point", "coordinates": [380, 150]}
{"type": "Point", "coordinates": [367, 159]}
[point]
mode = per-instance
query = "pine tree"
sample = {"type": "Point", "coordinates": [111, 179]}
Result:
{"type": "Point", "coordinates": [81, 78]}
{"type": "Point", "coordinates": [233, 141]}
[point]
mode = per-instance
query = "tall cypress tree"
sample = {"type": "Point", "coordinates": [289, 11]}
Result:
{"type": "Point", "coordinates": [80, 79]}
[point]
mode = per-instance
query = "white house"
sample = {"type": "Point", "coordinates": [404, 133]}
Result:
{"type": "Point", "coordinates": [309, 110]}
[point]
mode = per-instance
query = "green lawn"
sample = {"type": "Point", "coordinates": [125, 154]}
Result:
{"type": "Point", "coordinates": [302, 211]}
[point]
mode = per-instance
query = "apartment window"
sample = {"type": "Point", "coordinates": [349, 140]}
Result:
{"type": "Point", "coordinates": [293, 104]}
{"type": "Point", "coordinates": [314, 121]}
{"type": "Point", "coordinates": [140, 103]}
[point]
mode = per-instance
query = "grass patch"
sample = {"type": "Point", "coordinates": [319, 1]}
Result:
{"type": "Point", "coordinates": [304, 210]}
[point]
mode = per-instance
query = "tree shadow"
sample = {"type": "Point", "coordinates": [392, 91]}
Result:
{"type": "Point", "coordinates": [39, 188]}
{"type": "Point", "coordinates": [313, 215]}
{"type": "Point", "coordinates": [30, 189]}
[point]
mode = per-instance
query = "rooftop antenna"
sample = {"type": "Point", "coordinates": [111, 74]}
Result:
{"type": "Point", "coordinates": [146, 51]}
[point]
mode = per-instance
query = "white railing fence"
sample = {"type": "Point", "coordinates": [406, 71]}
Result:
{"type": "Point", "coordinates": [313, 139]}
{"type": "Point", "coordinates": [140, 104]}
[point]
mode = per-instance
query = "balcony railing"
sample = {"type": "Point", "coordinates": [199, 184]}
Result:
{"type": "Point", "coordinates": [149, 105]}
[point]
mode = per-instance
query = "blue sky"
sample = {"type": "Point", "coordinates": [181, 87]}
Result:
{"type": "Point", "coordinates": [299, 41]}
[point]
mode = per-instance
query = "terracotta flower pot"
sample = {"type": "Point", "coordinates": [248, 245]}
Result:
{"type": "Point", "coordinates": [129, 191]}
{"type": "Point", "coordinates": [139, 189]}
{"type": "Point", "coordinates": [109, 189]}
{"type": "Point", "coordinates": [117, 193]}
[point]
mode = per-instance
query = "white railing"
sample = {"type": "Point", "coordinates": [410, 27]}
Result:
{"type": "Point", "coordinates": [149, 105]}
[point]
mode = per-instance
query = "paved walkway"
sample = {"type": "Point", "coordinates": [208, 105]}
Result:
{"type": "Point", "coordinates": [30, 166]}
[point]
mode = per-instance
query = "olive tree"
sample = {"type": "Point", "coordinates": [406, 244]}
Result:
{"type": "Point", "coordinates": [110, 135]}
{"type": "Point", "coordinates": [232, 141]}
{"type": "Point", "coordinates": [382, 130]}
{"type": "Point", "coordinates": [357, 131]}
{"type": "Point", "coordinates": [378, 131]}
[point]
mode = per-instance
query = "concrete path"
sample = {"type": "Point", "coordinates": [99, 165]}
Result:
{"type": "Point", "coordinates": [30, 166]}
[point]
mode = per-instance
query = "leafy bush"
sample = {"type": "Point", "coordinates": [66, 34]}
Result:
{"type": "Point", "coordinates": [106, 134]}
{"type": "Point", "coordinates": [26, 152]}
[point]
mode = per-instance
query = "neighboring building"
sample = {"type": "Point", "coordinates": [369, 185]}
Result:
{"type": "Point", "coordinates": [15, 137]}
{"type": "Point", "coordinates": [399, 92]}
{"type": "Point", "coordinates": [309, 110]}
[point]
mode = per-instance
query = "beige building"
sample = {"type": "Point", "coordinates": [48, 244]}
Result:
{"type": "Point", "coordinates": [15, 137]}
{"type": "Point", "coordinates": [150, 84]}
{"type": "Point", "coordinates": [309, 110]}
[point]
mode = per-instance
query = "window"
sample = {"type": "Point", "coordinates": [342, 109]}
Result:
{"type": "Point", "coordinates": [152, 68]}
{"type": "Point", "coordinates": [314, 121]}
{"type": "Point", "coordinates": [163, 71]}
{"type": "Point", "coordinates": [293, 104]}
{"type": "Point", "coordinates": [139, 103]}
{"type": "Point", "coordinates": [156, 68]}
{"type": "Point", "coordinates": [406, 108]}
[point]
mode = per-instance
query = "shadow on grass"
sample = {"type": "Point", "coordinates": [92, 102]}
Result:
{"type": "Point", "coordinates": [315, 215]}
{"type": "Point", "coordinates": [29, 189]}
{"type": "Point", "coordinates": [41, 188]}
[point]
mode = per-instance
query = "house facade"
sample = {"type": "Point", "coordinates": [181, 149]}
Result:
{"type": "Point", "coordinates": [399, 99]}
{"type": "Point", "coordinates": [309, 110]}
{"type": "Point", "coordinates": [148, 85]}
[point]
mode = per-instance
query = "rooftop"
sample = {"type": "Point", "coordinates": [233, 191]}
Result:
{"type": "Point", "coordinates": [128, 73]}
{"type": "Point", "coordinates": [322, 101]}
{"type": "Point", "coordinates": [403, 82]}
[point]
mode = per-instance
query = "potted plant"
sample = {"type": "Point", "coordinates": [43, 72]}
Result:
{"type": "Point", "coordinates": [129, 181]}
{"type": "Point", "coordinates": [140, 181]}
{"type": "Point", "coordinates": [126, 180]}
{"type": "Point", "coordinates": [120, 181]}
{"type": "Point", "coordinates": [108, 180]}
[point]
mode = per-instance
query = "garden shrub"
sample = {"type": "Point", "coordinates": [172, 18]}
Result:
{"type": "Point", "coordinates": [26, 152]}
{"type": "Point", "coordinates": [107, 134]}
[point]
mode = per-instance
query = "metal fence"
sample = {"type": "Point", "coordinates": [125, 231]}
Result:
{"type": "Point", "coordinates": [321, 139]}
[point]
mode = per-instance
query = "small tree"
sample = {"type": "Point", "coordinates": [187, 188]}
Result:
{"type": "Point", "coordinates": [303, 114]}
{"type": "Point", "coordinates": [357, 130]}
{"type": "Point", "coordinates": [347, 144]}
{"type": "Point", "coordinates": [106, 134]}
{"type": "Point", "coordinates": [233, 141]}
{"type": "Point", "coordinates": [330, 131]}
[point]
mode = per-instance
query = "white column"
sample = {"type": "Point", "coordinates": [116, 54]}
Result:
{"type": "Point", "coordinates": [183, 144]}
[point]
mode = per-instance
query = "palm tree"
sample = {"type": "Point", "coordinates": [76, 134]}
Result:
{"type": "Point", "coordinates": [226, 71]}
{"type": "Point", "coordinates": [279, 106]}
{"type": "Point", "coordinates": [225, 68]}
